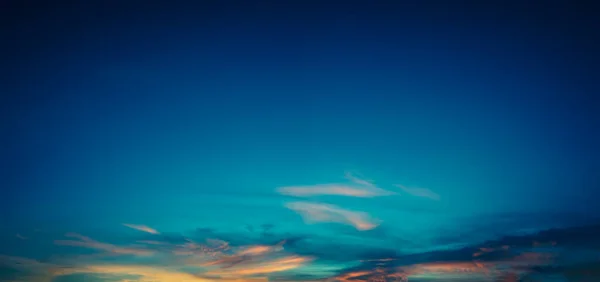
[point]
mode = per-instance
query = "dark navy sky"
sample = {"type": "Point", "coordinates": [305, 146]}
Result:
{"type": "Point", "coordinates": [181, 116]}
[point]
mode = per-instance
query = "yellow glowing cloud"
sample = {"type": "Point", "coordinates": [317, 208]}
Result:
{"type": "Point", "coordinates": [318, 212]}
{"type": "Point", "coordinates": [142, 228]}
{"type": "Point", "coordinates": [147, 274]}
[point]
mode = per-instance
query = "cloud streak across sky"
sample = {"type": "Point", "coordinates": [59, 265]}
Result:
{"type": "Point", "coordinates": [420, 192]}
{"type": "Point", "coordinates": [358, 188]}
{"type": "Point", "coordinates": [142, 228]}
{"type": "Point", "coordinates": [319, 212]}
{"type": "Point", "coordinates": [86, 242]}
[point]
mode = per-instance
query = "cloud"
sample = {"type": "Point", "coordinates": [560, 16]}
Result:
{"type": "Point", "coordinates": [571, 252]}
{"type": "Point", "coordinates": [256, 250]}
{"type": "Point", "coordinates": [142, 228]}
{"type": "Point", "coordinates": [187, 247]}
{"type": "Point", "coordinates": [262, 267]}
{"type": "Point", "coordinates": [498, 260]}
{"type": "Point", "coordinates": [357, 180]}
{"type": "Point", "coordinates": [358, 188]}
{"type": "Point", "coordinates": [225, 263]}
{"type": "Point", "coordinates": [419, 192]}
{"type": "Point", "coordinates": [146, 273]}
{"type": "Point", "coordinates": [452, 270]}
{"type": "Point", "coordinates": [244, 254]}
{"type": "Point", "coordinates": [318, 212]}
{"type": "Point", "coordinates": [333, 189]}
{"type": "Point", "coordinates": [89, 243]}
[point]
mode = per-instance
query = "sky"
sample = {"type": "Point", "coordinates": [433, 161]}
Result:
{"type": "Point", "coordinates": [338, 141]}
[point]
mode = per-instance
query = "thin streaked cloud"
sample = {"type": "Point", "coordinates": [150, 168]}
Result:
{"type": "Point", "coordinates": [419, 192]}
{"type": "Point", "coordinates": [86, 242]}
{"type": "Point", "coordinates": [358, 180]}
{"type": "Point", "coordinates": [357, 188]}
{"type": "Point", "coordinates": [319, 212]}
{"type": "Point", "coordinates": [262, 267]}
{"type": "Point", "coordinates": [144, 273]}
{"type": "Point", "coordinates": [142, 228]}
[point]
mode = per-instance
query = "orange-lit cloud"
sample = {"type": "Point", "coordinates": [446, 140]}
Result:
{"type": "Point", "coordinates": [419, 192]}
{"type": "Point", "coordinates": [262, 267]}
{"type": "Point", "coordinates": [318, 212]}
{"type": "Point", "coordinates": [255, 250]}
{"type": "Point", "coordinates": [142, 228]}
{"type": "Point", "coordinates": [89, 243]}
{"type": "Point", "coordinates": [351, 276]}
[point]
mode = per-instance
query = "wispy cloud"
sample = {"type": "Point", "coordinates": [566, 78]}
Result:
{"type": "Point", "coordinates": [258, 250]}
{"type": "Point", "coordinates": [145, 273]}
{"type": "Point", "coordinates": [453, 270]}
{"type": "Point", "coordinates": [89, 243]}
{"type": "Point", "coordinates": [318, 212]}
{"type": "Point", "coordinates": [245, 254]}
{"type": "Point", "coordinates": [262, 267]}
{"type": "Point", "coordinates": [215, 260]}
{"type": "Point", "coordinates": [358, 188]}
{"type": "Point", "coordinates": [358, 180]}
{"type": "Point", "coordinates": [142, 228]}
{"type": "Point", "coordinates": [419, 192]}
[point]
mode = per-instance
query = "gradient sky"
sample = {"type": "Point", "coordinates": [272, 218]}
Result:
{"type": "Point", "coordinates": [298, 140]}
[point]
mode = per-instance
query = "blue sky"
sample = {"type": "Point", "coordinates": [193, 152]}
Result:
{"type": "Point", "coordinates": [298, 141]}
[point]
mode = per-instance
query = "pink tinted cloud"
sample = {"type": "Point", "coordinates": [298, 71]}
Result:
{"type": "Point", "coordinates": [318, 212]}
{"type": "Point", "coordinates": [358, 188]}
